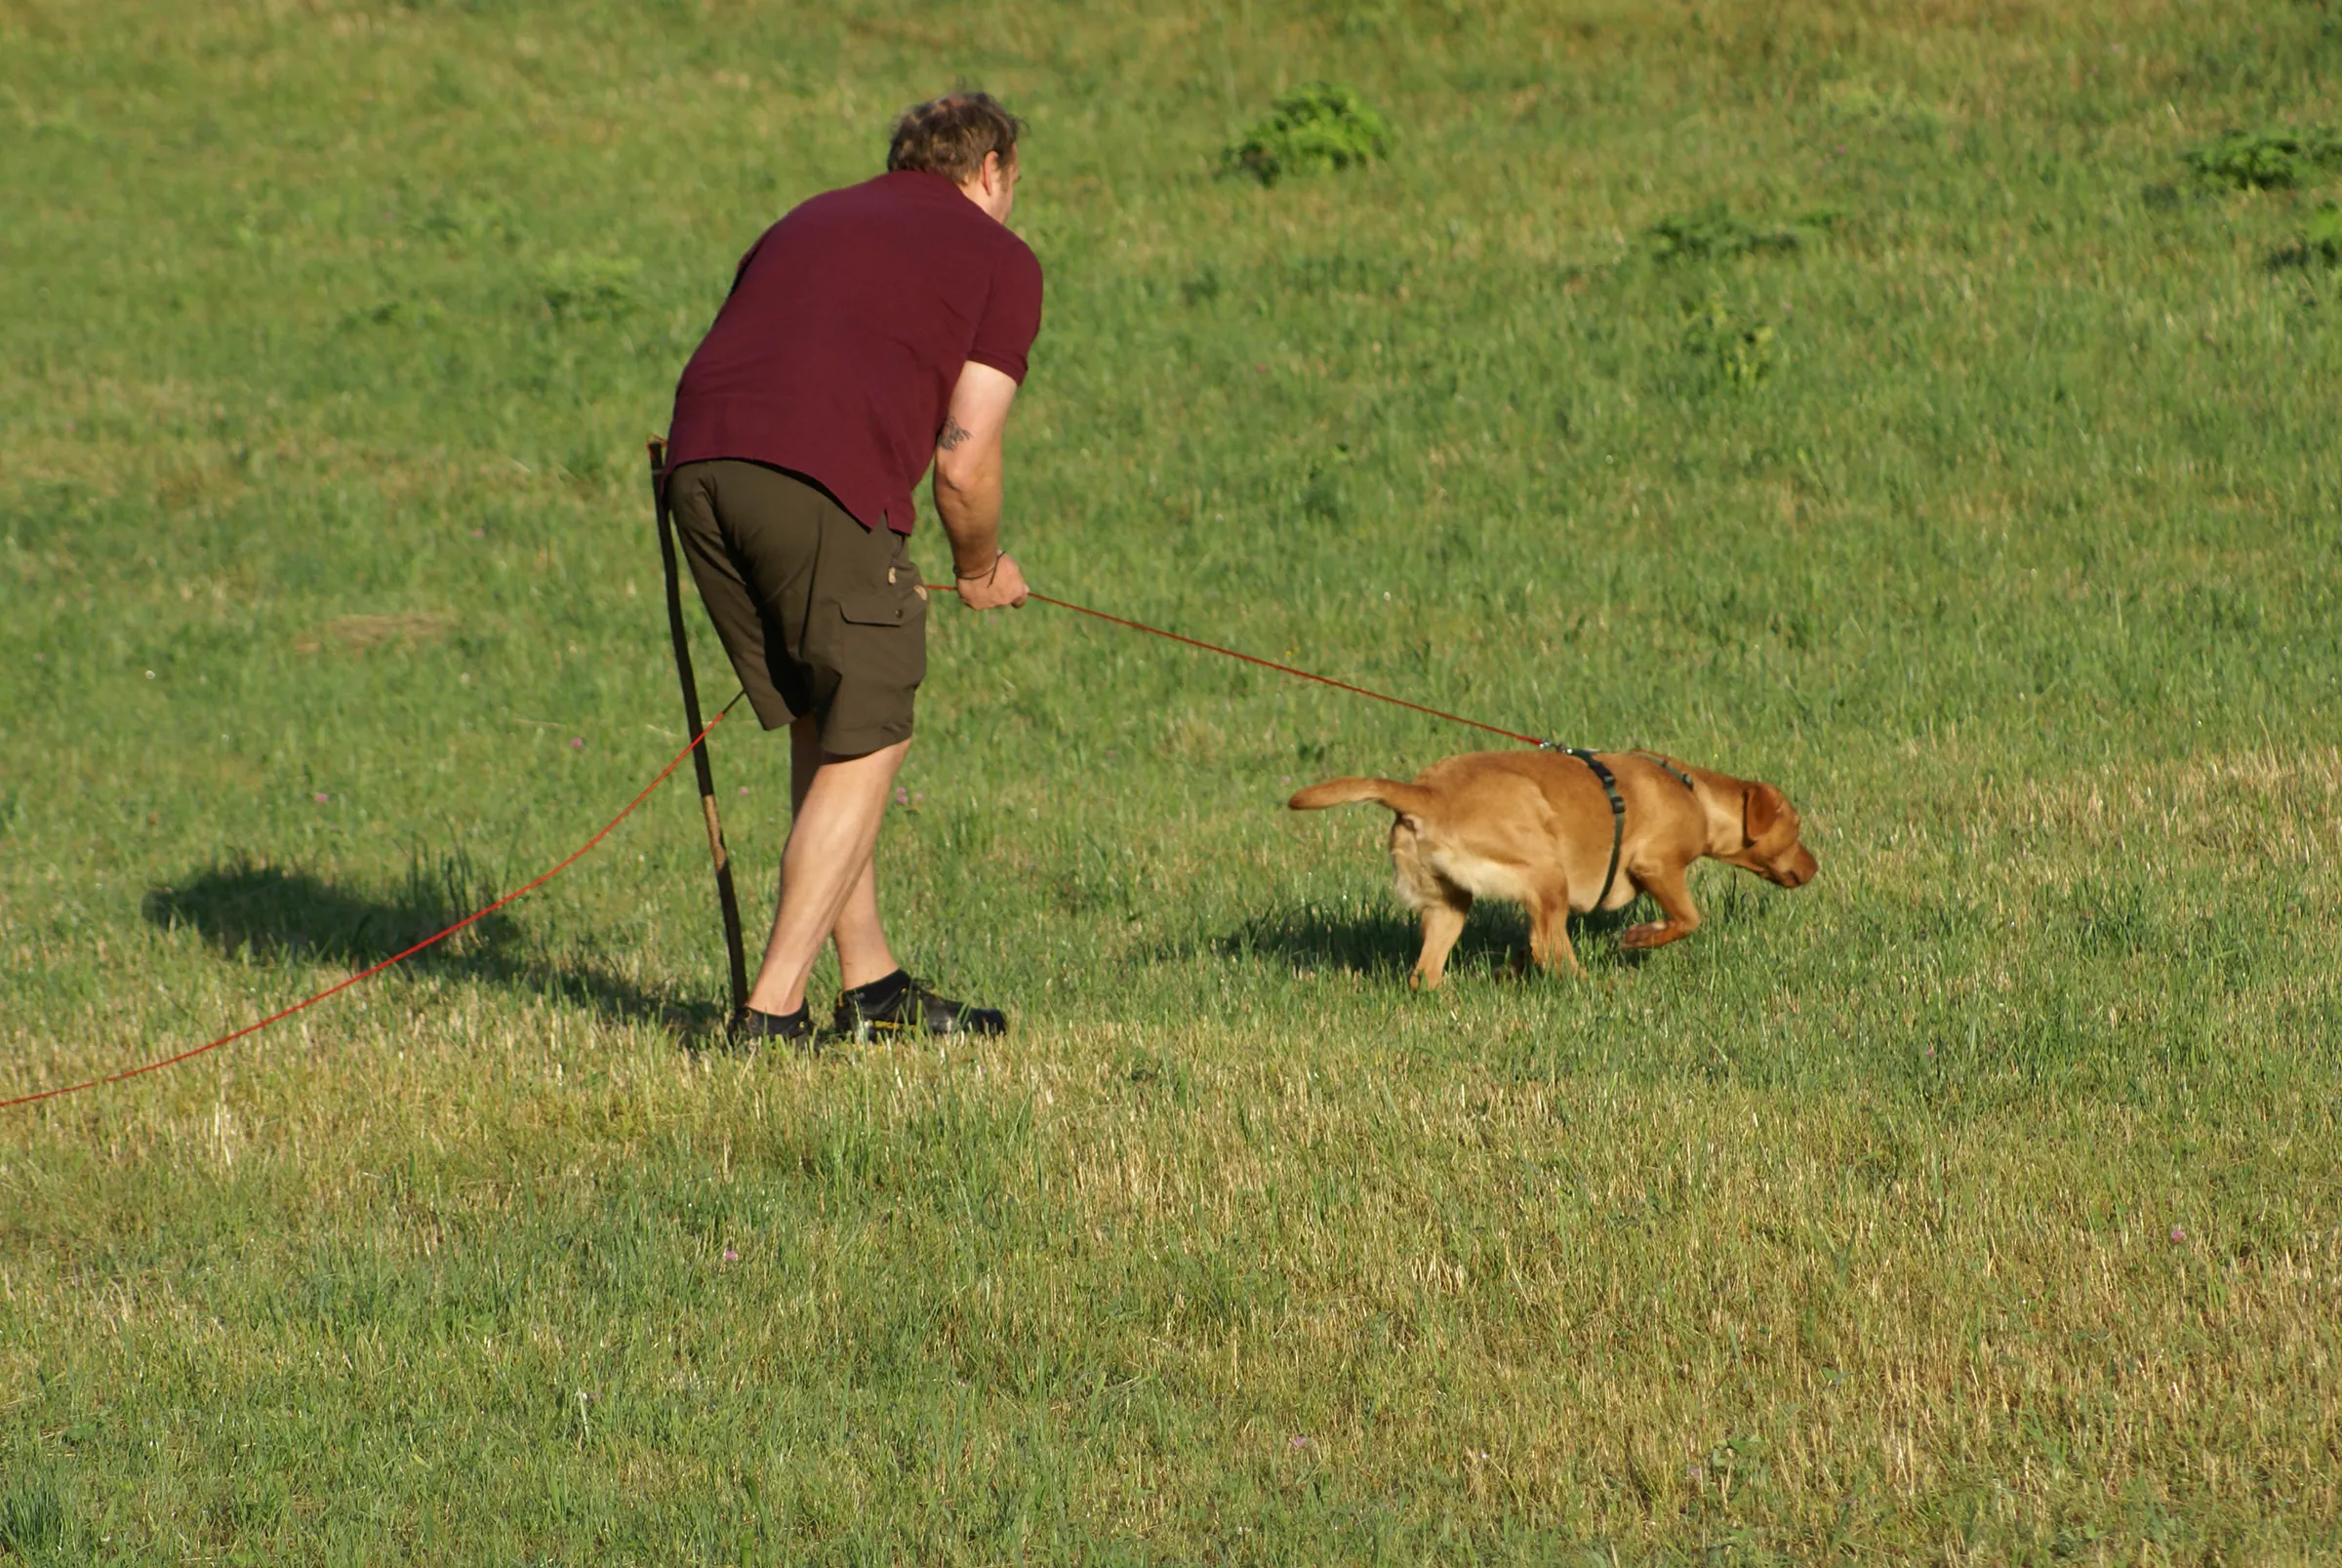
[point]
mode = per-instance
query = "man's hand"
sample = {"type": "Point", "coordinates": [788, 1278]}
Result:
{"type": "Point", "coordinates": [1003, 584]}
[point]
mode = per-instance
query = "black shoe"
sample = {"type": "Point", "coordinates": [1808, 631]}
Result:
{"type": "Point", "coordinates": [902, 1005]}
{"type": "Point", "coordinates": [751, 1030]}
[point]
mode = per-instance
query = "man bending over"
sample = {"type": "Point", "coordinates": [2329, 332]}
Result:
{"type": "Point", "coordinates": [869, 328]}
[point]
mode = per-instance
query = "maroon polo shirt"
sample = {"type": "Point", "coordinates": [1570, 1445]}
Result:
{"type": "Point", "coordinates": [846, 328]}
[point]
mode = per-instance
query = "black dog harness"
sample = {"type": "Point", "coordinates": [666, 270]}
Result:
{"type": "Point", "coordinates": [1618, 815]}
{"type": "Point", "coordinates": [1618, 803]}
{"type": "Point", "coordinates": [1665, 766]}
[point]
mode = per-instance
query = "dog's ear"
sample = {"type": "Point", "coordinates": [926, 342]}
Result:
{"type": "Point", "coordinates": [1760, 806]}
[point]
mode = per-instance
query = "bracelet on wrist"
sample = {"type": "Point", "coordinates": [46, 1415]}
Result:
{"type": "Point", "coordinates": [987, 573]}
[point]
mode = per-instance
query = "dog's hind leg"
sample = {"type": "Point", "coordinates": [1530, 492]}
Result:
{"type": "Point", "coordinates": [1549, 934]}
{"type": "Point", "coordinates": [1443, 924]}
{"type": "Point", "coordinates": [1673, 889]}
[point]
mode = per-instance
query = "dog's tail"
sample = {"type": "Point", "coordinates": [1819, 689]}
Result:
{"type": "Point", "coordinates": [1411, 799]}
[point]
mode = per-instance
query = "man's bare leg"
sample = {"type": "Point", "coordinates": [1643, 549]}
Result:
{"type": "Point", "coordinates": [826, 880]}
{"type": "Point", "coordinates": [863, 953]}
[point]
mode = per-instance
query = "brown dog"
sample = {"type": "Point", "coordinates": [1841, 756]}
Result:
{"type": "Point", "coordinates": [1536, 828]}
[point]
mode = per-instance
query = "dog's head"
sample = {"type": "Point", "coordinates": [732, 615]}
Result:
{"type": "Point", "coordinates": [1768, 832]}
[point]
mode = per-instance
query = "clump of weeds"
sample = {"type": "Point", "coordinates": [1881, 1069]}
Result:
{"type": "Point", "coordinates": [2319, 244]}
{"type": "Point", "coordinates": [1315, 129]}
{"type": "Point", "coordinates": [590, 288]}
{"type": "Point", "coordinates": [1731, 344]}
{"type": "Point", "coordinates": [2267, 160]}
{"type": "Point", "coordinates": [1715, 234]}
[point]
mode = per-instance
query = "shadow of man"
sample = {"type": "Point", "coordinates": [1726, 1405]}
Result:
{"type": "Point", "coordinates": [256, 913]}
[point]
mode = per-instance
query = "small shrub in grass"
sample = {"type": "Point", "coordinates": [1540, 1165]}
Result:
{"type": "Point", "coordinates": [1739, 350]}
{"type": "Point", "coordinates": [2323, 237]}
{"type": "Point", "coordinates": [1310, 130]}
{"type": "Point", "coordinates": [2319, 243]}
{"type": "Point", "coordinates": [590, 288]}
{"type": "Point", "coordinates": [1201, 289]}
{"type": "Point", "coordinates": [463, 221]}
{"type": "Point", "coordinates": [398, 313]}
{"type": "Point", "coordinates": [2265, 160]}
{"type": "Point", "coordinates": [1715, 234]}
{"type": "Point", "coordinates": [1324, 495]}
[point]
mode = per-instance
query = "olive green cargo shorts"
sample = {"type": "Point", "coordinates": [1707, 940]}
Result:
{"type": "Point", "coordinates": [820, 615]}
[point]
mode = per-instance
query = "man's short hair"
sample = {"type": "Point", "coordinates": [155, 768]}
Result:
{"type": "Point", "coordinates": [950, 136]}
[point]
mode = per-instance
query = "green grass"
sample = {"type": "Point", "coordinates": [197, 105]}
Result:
{"type": "Point", "coordinates": [1981, 1203]}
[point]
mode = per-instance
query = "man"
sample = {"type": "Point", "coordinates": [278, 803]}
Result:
{"type": "Point", "coordinates": [869, 329]}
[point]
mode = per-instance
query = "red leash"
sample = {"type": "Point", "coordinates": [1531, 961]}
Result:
{"type": "Point", "coordinates": [343, 985]}
{"type": "Point", "coordinates": [1271, 664]}
{"type": "Point", "coordinates": [587, 846]}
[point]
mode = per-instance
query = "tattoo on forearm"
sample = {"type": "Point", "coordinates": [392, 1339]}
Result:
{"type": "Point", "coordinates": [953, 434]}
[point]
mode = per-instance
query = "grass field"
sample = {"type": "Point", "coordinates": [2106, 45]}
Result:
{"type": "Point", "coordinates": [1870, 398]}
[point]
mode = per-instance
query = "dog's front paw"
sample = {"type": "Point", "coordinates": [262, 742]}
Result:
{"type": "Point", "coordinates": [1650, 934]}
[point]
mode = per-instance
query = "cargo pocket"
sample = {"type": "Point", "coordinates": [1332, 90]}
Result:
{"type": "Point", "coordinates": [876, 607]}
{"type": "Point", "coordinates": [880, 655]}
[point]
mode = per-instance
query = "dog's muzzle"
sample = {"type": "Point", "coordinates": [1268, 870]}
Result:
{"type": "Point", "coordinates": [1797, 872]}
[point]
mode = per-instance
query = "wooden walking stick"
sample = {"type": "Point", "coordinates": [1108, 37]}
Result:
{"type": "Point", "coordinates": [725, 896]}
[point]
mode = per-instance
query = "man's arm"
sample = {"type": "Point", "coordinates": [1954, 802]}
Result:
{"type": "Point", "coordinates": [967, 487]}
